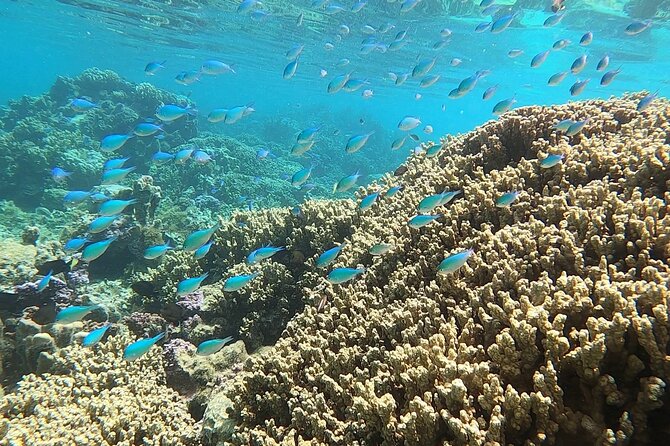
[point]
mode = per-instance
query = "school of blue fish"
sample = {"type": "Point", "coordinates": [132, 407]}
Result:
{"type": "Point", "coordinates": [375, 39]}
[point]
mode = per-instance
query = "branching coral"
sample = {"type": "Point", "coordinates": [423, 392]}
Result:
{"type": "Point", "coordinates": [91, 396]}
{"type": "Point", "coordinates": [554, 332]}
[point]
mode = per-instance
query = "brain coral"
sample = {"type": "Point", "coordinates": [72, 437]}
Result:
{"type": "Point", "coordinates": [93, 397]}
{"type": "Point", "coordinates": [554, 332]}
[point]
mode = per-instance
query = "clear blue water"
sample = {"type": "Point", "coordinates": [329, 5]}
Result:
{"type": "Point", "coordinates": [45, 39]}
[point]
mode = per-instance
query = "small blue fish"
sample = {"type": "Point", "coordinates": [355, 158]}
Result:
{"type": "Point", "coordinates": [212, 346]}
{"type": "Point", "coordinates": [646, 101]}
{"type": "Point", "coordinates": [44, 282]}
{"type": "Point", "coordinates": [563, 125]}
{"type": "Point", "coordinates": [81, 105]}
{"type": "Point", "coordinates": [138, 348]}
{"type": "Point", "coordinates": [95, 336]}
{"type": "Point", "coordinates": [368, 201]}
{"type": "Point", "coordinates": [609, 77]}
{"type": "Point", "coordinates": [586, 39]}
{"type": "Point", "coordinates": [380, 249]}
{"type": "Point", "coordinates": [506, 199]}
{"type": "Point", "coordinates": [95, 250]}
{"type": "Point", "coordinates": [503, 106]}
{"type": "Point", "coordinates": [346, 183]}
{"type": "Point", "coordinates": [575, 127]}
{"type": "Point", "coordinates": [59, 174]}
{"type": "Point", "coordinates": [198, 238]}
{"type": "Point", "coordinates": [329, 256]}
{"type": "Point", "coordinates": [557, 78]}
{"type": "Point", "coordinates": [263, 253]}
{"type": "Point", "coordinates": [114, 207]}
{"type": "Point", "coordinates": [409, 123]}
{"type": "Point", "coordinates": [156, 251]}
{"type": "Point", "coordinates": [188, 286]}
{"type": "Point", "coordinates": [307, 135]}
{"type": "Point", "coordinates": [636, 28]}
{"type": "Point", "coordinates": [488, 94]}
{"type": "Point", "coordinates": [454, 262]}
{"type": "Point", "coordinates": [297, 212]}
{"type": "Point", "coordinates": [551, 160]}
{"type": "Point", "coordinates": [419, 221]}
{"type": "Point", "coordinates": [502, 23]}
{"type": "Point", "coordinates": [161, 157]}
{"type": "Point", "coordinates": [188, 77]}
{"type": "Point", "coordinates": [152, 67]}
{"type": "Point", "coordinates": [114, 142]}
{"type": "Point", "coordinates": [101, 223]}
{"type": "Point", "coordinates": [483, 26]}
{"type": "Point", "coordinates": [301, 176]}
{"type": "Point", "coordinates": [553, 20]}
{"type": "Point", "coordinates": [75, 244]}
{"type": "Point", "coordinates": [201, 157]}
{"type": "Point", "coordinates": [539, 59]}
{"type": "Point", "coordinates": [338, 82]}
{"type": "Point", "coordinates": [202, 251]}
{"type": "Point", "coordinates": [74, 313]}
{"type": "Point", "coordinates": [115, 163]}
{"type": "Point", "coordinates": [76, 196]}
{"type": "Point", "coordinates": [603, 63]}
{"type": "Point", "coordinates": [393, 190]}
{"type": "Point", "coordinates": [172, 112]}
{"type": "Point", "coordinates": [147, 129]}
{"type": "Point", "coordinates": [114, 176]}
{"type": "Point", "coordinates": [430, 202]}
{"type": "Point", "coordinates": [357, 142]}
{"type": "Point", "coordinates": [183, 155]}
{"type": "Point", "coordinates": [262, 154]}
{"type": "Point", "coordinates": [398, 143]}
{"type": "Point", "coordinates": [342, 275]}
{"type": "Point", "coordinates": [290, 69]}
{"type": "Point", "coordinates": [560, 44]}
{"type": "Point", "coordinates": [423, 67]}
{"type": "Point", "coordinates": [578, 64]}
{"type": "Point", "coordinates": [236, 283]}
{"type": "Point", "coordinates": [578, 87]}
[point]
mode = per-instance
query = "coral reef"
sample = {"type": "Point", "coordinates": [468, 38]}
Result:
{"type": "Point", "coordinates": [92, 396]}
{"type": "Point", "coordinates": [554, 332]}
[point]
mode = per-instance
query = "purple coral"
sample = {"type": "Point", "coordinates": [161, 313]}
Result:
{"type": "Point", "coordinates": [142, 324]}
{"type": "Point", "coordinates": [178, 378]}
{"type": "Point", "coordinates": [190, 304]}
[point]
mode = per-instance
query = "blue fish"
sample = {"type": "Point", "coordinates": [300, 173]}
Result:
{"type": "Point", "coordinates": [307, 135]}
{"type": "Point", "coordinates": [101, 223]}
{"type": "Point", "coordinates": [419, 221]}
{"type": "Point", "coordinates": [297, 212]}
{"type": "Point", "coordinates": [59, 174]}
{"type": "Point", "coordinates": [75, 244]}
{"type": "Point", "coordinates": [578, 87]}
{"type": "Point", "coordinates": [115, 163]}
{"type": "Point", "coordinates": [198, 238]}
{"type": "Point", "coordinates": [586, 39]}
{"type": "Point", "coordinates": [76, 196]}
{"type": "Point", "coordinates": [114, 176]}
{"type": "Point", "coordinates": [156, 251]}
{"type": "Point", "coordinates": [502, 23]}
{"type": "Point", "coordinates": [454, 262]}
{"type": "Point", "coordinates": [201, 157]}
{"type": "Point", "coordinates": [188, 286]}
{"type": "Point", "coordinates": [539, 59]}
{"type": "Point", "coordinates": [290, 69]}
{"type": "Point", "coordinates": [329, 256]}
{"type": "Point", "coordinates": [236, 283]}
{"type": "Point", "coordinates": [99, 197]}
{"type": "Point", "coordinates": [342, 275]}
{"type": "Point", "coordinates": [161, 157]}
{"type": "Point", "coordinates": [575, 127]}
{"type": "Point", "coordinates": [393, 190]}
{"type": "Point", "coordinates": [506, 199]}
{"type": "Point", "coordinates": [147, 129]}
{"type": "Point", "coordinates": [646, 101]}
{"type": "Point", "coordinates": [368, 201]}
{"type": "Point", "coordinates": [172, 112]}
{"type": "Point", "coordinates": [74, 313]}
{"type": "Point", "coordinates": [346, 183]}
{"type": "Point", "coordinates": [212, 346]}
{"type": "Point", "coordinates": [183, 155]}
{"type": "Point", "coordinates": [95, 250]}
{"type": "Point", "coordinates": [636, 28]}
{"type": "Point", "coordinates": [202, 251]}
{"type": "Point", "coordinates": [301, 176]}
{"type": "Point", "coordinates": [551, 161]}
{"type": "Point", "coordinates": [263, 253]}
{"type": "Point", "coordinates": [152, 67]}
{"type": "Point", "coordinates": [44, 282]}
{"type": "Point", "coordinates": [138, 348]}
{"type": "Point", "coordinates": [95, 336]}
{"type": "Point", "coordinates": [114, 142]}
{"type": "Point", "coordinates": [81, 105]}
{"type": "Point", "coordinates": [114, 207]}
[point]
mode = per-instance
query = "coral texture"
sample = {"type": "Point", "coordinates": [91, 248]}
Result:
{"type": "Point", "coordinates": [555, 331]}
{"type": "Point", "coordinates": [91, 396]}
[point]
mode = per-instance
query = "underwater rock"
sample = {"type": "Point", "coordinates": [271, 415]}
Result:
{"type": "Point", "coordinates": [30, 235]}
{"type": "Point", "coordinates": [148, 197]}
{"type": "Point", "coordinates": [555, 331]}
{"type": "Point", "coordinates": [17, 262]}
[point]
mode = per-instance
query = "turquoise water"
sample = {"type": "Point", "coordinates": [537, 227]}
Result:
{"type": "Point", "coordinates": [47, 39]}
